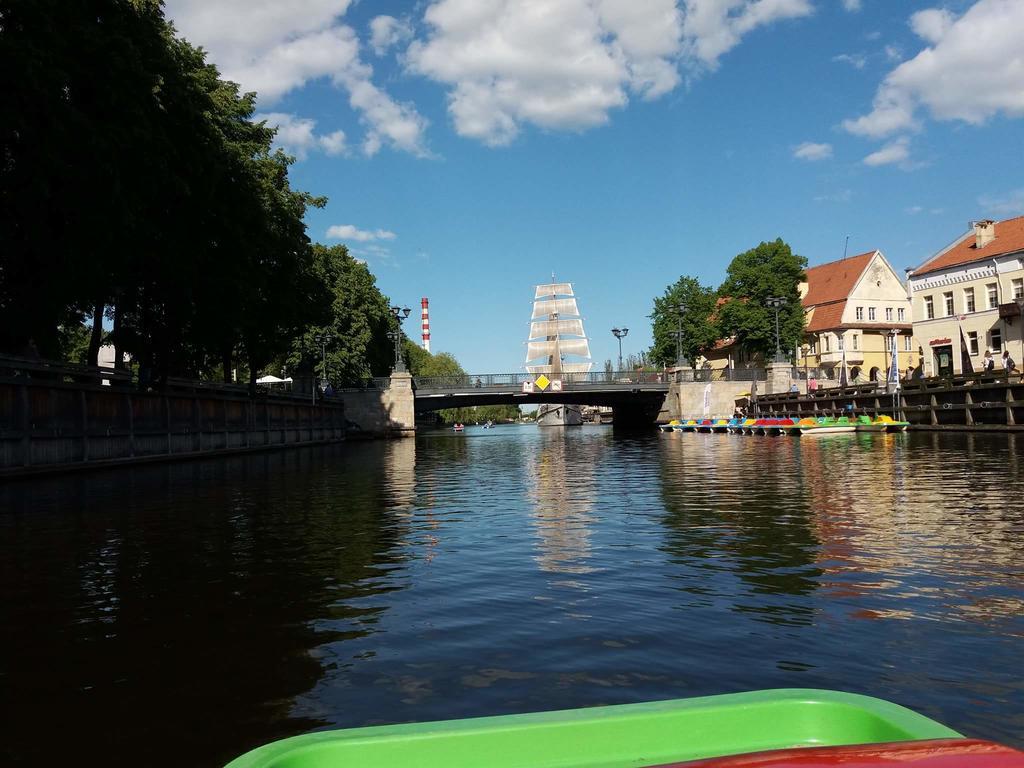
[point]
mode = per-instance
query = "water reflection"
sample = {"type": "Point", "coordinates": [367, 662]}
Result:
{"type": "Point", "coordinates": [211, 606]}
{"type": "Point", "coordinates": [562, 491]}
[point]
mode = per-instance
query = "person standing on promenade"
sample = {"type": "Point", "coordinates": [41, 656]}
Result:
{"type": "Point", "coordinates": [812, 384]}
{"type": "Point", "coordinates": [1008, 364]}
{"type": "Point", "coordinates": [988, 364]}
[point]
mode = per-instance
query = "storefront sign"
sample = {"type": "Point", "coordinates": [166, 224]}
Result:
{"type": "Point", "coordinates": [940, 342]}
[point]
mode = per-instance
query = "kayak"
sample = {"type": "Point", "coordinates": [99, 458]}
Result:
{"type": "Point", "coordinates": [762, 729]}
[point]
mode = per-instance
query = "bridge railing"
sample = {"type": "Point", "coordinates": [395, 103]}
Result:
{"type": "Point", "coordinates": [516, 380]}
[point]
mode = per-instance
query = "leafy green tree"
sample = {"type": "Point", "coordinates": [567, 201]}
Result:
{"type": "Point", "coordinates": [357, 346]}
{"type": "Point", "coordinates": [697, 321]}
{"type": "Point", "coordinates": [769, 270]}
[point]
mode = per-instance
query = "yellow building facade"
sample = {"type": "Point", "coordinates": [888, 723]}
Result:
{"type": "Point", "coordinates": [968, 298]}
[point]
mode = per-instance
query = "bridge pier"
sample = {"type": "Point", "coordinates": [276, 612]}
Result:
{"type": "Point", "coordinates": [637, 415]}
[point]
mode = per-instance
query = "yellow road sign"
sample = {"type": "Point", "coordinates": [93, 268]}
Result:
{"type": "Point", "coordinates": [542, 382]}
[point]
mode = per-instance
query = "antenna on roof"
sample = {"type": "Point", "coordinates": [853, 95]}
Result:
{"type": "Point", "coordinates": [846, 246]}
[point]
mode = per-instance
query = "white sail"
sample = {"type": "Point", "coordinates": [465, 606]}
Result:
{"type": "Point", "coordinates": [537, 349]}
{"type": "Point", "coordinates": [553, 289]}
{"type": "Point", "coordinates": [563, 368]}
{"type": "Point", "coordinates": [540, 329]}
{"type": "Point", "coordinates": [554, 306]}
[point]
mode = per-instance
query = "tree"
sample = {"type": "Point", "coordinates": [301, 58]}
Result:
{"type": "Point", "coordinates": [769, 270]}
{"type": "Point", "coordinates": [698, 322]}
{"type": "Point", "coordinates": [356, 327]}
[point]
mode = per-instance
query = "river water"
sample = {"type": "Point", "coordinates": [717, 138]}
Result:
{"type": "Point", "coordinates": [178, 615]}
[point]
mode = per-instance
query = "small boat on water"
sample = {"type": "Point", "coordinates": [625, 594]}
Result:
{"type": "Point", "coordinates": [690, 425]}
{"type": "Point", "coordinates": [747, 427]}
{"type": "Point", "coordinates": [823, 425]}
{"type": "Point", "coordinates": [786, 728]}
{"type": "Point", "coordinates": [669, 426]}
{"type": "Point", "coordinates": [720, 425]}
{"type": "Point", "coordinates": [705, 425]}
{"type": "Point", "coordinates": [458, 427]}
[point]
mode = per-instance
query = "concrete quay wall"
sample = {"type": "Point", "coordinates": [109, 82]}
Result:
{"type": "Point", "coordinates": [376, 413]}
{"type": "Point", "coordinates": [50, 426]}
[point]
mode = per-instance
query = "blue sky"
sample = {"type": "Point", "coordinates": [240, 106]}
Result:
{"type": "Point", "coordinates": [470, 148]}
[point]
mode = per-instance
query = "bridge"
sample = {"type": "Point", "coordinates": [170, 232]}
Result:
{"type": "Point", "coordinates": [635, 397]}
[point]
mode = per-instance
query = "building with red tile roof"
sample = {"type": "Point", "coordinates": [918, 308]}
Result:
{"type": "Point", "coordinates": [969, 297]}
{"type": "Point", "coordinates": [857, 306]}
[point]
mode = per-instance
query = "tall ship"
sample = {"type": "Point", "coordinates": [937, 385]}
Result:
{"type": "Point", "coordinates": [557, 347]}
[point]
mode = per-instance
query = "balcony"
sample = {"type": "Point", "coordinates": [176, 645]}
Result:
{"type": "Point", "coordinates": [853, 357]}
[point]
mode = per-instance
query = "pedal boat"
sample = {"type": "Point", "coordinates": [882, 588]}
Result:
{"type": "Point", "coordinates": [826, 425]}
{"type": "Point", "coordinates": [748, 426]}
{"type": "Point", "coordinates": [868, 424]}
{"type": "Point", "coordinates": [705, 425]}
{"type": "Point", "coordinates": [720, 425]}
{"type": "Point", "coordinates": [690, 425]}
{"type": "Point", "coordinates": [787, 728]}
{"type": "Point", "coordinates": [892, 425]}
{"type": "Point", "coordinates": [668, 427]}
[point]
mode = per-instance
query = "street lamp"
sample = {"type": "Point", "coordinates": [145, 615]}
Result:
{"type": "Point", "coordinates": [619, 333]}
{"type": "Point", "coordinates": [680, 310]}
{"type": "Point", "coordinates": [399, 313]}
{"type": "Point", "coordinates": [322, 340]}
{"type": "Point", "coordinates": [777, 303]}
{"type": "Point", "coordinates": [805, 350]}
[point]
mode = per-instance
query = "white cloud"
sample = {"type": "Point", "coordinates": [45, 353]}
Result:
{"type": "Point", "coordinates": [852, 5]}
{"type": "Point", "coordinates": [811, 151]}
{"type": "Point", "coordinates": [714, 27]}
{"type": "Point", "coordinates": [352, 232]}
{"type": "Point", "coordinates": [273, 48]}
{"type": "Point", "coordinates": [932, 24]}
{"type": "Point", "coordinates": [893, 53]}
{"type": "Point", "coordinates": [913, 210]}
{"type": "Point", "coordinates": [897, 151]}
{"type": "Point", "coordinates": [297, 135]}
{"type": "Point", "coordinates": [565, 65]}
{"type": "Point", "coordinates": [387, 31]}
{"type": "Point", "coordinates": [855, 60]}
{"type": "Point", "coordinates": [970, 72]}
{"type": "Point", "coordinates": [1011, 204]}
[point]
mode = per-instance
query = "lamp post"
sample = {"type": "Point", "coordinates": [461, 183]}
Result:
{"type": "Point", "coordinates": [805, 350]}
{"type": "Point", "coordinates": [322, 339]}
{"type": "Point", "coordinates": [399, 313]}
{"type": "Point", "coordinates": [777, 303]}
{"type": "Point", "coordinates": [680, 310]}
{"type": "Point", "coordinates": [619, 334]}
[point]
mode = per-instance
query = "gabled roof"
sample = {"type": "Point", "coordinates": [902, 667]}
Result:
{"type": "Point", "coordinates": [827, 316]}
{"type": "Point", "coordinates": [834, 281]}
{"type": "Point", "coordinates": [1009, 239]}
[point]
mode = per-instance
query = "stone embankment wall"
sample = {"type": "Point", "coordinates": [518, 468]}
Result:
{"type": "Point", "coordinates": [375, 413]}
{"type": "Point", "coordinates": [54, 425]}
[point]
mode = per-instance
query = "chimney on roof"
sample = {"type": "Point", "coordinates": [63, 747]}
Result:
{"type": "Point", "coordinates": [984, 232]}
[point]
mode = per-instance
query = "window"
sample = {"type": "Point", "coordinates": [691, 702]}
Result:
{"type": "Point", "coordinates": [947, 299]}
{"type": "Point", "coordinates": [860, 313]}
{"type": "Point", "coordinates": [1018, 287]}
{"type": "Point", "coordinates": [929, 308]}
{"type": "Point", "coordinates": [814, 347]}
{"type": "Point", "coordinates": [908, 344]}
{"type": "Point", "coordinates": [855, 341]}
{"type": "Point", "coordinates": [839, 339]}
{"type": "Point", "coordinates": [993, 295]}
{"type": "Point", "coordinates": [968, 299]}
{"type": "Point", "coordinates": [995, 341]}
{"type": "Point", "coordinates": [901, 315]}
{"type": "Point", "coordinates": [972, 342]}
{"type": "Point", "coordinates": [888, 314]}
{"type": "Point", "coordinates": [871, 313]}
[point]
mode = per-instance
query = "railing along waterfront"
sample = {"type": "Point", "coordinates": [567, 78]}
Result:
{"type": "Point", "coordinates": [61, 416]}
{"type": "Point", "coordinates": [515, 381]}
{"type": "Point", "coordinates": [986, 401]}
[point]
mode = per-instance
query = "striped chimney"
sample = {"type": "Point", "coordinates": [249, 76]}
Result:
{"type": "Point", "coordinates": [426, 323]}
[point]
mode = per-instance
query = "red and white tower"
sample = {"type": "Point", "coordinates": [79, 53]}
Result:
{"type": "Point", "coordinates": [426, 323]}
